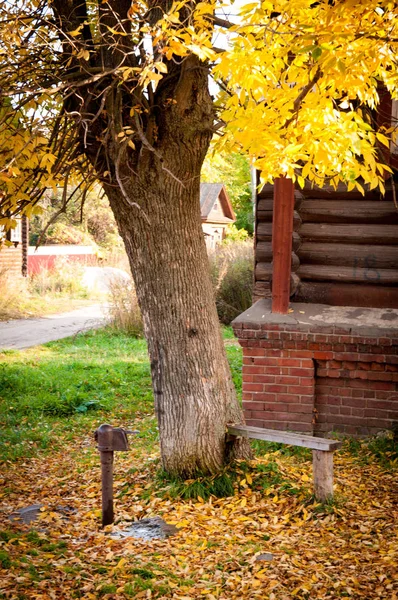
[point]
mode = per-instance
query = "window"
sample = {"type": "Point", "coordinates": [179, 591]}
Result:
{"type": "Point", "coordinates": [12, 235]}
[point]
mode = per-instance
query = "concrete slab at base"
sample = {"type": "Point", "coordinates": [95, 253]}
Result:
{"type": "Point", "coordinates": [363, 320]}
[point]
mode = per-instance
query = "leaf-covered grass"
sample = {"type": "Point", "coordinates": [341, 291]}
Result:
{"type": "Point", "coordinates": [346, 548]}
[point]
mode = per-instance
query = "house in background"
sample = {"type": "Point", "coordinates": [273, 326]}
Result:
{"type": "Point", "coordinates": [216, 212]}
{"type": "Point", "coordinates": [18, 259]}
{"type": "Point", "coordinates": [46, 257]}
{"type": "Point", "coordinates": [14, 255]}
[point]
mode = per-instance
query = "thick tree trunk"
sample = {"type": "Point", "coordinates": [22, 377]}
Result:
{"type": "Point", "coordinates": [194, 393]}
{"type": "Point", "coordinates": [157, 208]}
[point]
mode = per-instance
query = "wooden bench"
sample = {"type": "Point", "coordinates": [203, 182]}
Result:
{"type": "Point", "coordinates": [322, 453]}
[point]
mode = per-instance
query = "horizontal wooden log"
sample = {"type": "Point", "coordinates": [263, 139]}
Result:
{"type": "Point", "coordinates": [264, 234]}
{"type": "Point", "coordinates": [268, 204]}
{"type": "Point", "coordinates": [264, 255]}
{"type": "Point", "coordinates": [349, 255]}
{"type": "Point", "coordinates": [296, 241]}
{"type": "Point", "coordinates": [263, 252]}
{"type": "Point", "coordinates": [265, 204]}
{"type": "Point", "coordinates": [264, 269]}
{"type": "Point", "coordinates": [295, 282]}
{"type": "Point", "coordinates": [311, 191]}
{"type": "Point", "coordinates": [284, 437]}
{"type": "Point", "coordinates": [267, 192]}
{"type": "Point", "coordinates": [265, 216]}
{"type": "Point", "coordinates": [355, 274]}
{"type": "Point", "coordinates": [261, 290]}
{"type": "Point", "coordinates": [264, 210]}
{"type": "Point", "coordinates": [347, 211]}
{"type": "Point", "coordinates": [347, 294]}
{"type": "Point", "coordinates": [354, 234]}
{"type": "Point", "coordinates": [297, 221]}
{"type": "Point", "coordinates": [295, 263]}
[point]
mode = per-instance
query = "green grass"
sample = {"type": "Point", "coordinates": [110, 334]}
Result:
{"type": "Point", "coordinates": [49, 391]}
{"type": "Point", "coordinates": [260, 448]}
{"type": "Point", "coordinates": [61, 389]}
{"type": "Point", "coordinates": [220, 486]}
{"type": "Point", "coordinates": [383, 449]}
{"type": "Point", "coordinates": [234, 354]}
{"type": "Point", "coordinates": [228, 332]}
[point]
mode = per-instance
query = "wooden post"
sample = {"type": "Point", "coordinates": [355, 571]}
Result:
{"type": "Point", "coordinates": [385, 119]}
{"type": "Point", "coordinates": [105, 446]}
{"type": "Point", "coordinates": [25, 245]}
{"type": "Point", "coordinates": [322, 462]}
{"type": "Point", "coordinates": [282, 231]}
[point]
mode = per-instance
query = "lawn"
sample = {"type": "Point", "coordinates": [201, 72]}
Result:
{"type": "Point", "coordinates": [51, 400]}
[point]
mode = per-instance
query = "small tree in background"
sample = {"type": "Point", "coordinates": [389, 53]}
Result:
{"type": "Point", "coordinates": [233, 169]}
{"type": "Point", "coordinates": [85, 218]}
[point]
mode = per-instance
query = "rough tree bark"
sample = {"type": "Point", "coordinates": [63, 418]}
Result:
{"type": "Point", "coordinates": [154, 192]}
{"type": "Point", "coordinates": [194, 393]}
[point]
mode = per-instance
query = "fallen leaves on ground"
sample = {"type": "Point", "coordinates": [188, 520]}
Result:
{"type": "Point", "coordinates": [346, 550]}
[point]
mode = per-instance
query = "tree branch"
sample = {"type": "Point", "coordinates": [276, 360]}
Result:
{"type": "Point", "coordinates": [306, 89]}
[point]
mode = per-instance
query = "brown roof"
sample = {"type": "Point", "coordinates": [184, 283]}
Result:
{"type": "Point", "coordinates": [209, 193]}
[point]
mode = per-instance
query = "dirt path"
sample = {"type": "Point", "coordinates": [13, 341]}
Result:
{"type": "Point", "coordinates": [23, 333]}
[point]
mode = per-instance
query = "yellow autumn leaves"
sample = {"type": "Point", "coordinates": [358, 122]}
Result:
{"type": "Point", "coordinates": [269, 540]}
{"type": "Point", "coordinates": [301, 87]}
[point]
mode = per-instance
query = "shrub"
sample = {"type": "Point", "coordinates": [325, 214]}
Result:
{"type": "Point", "coordinates": [233, 234]}
{"type": "Point", "coordinates": [62, 233]}
{"type": "Point", "coordinates": [64, 278]}
{"type": "Point", "coordinates": [231, 267]}
{"type": "Point", "coordinates": [124, 311]}
{"type": "Point", "coordinates": [12, 292]}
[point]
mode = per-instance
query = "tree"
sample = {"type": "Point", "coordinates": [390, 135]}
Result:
{"type": "Point", "coordinates": [86, 218]}
{"type": "Point", "coordinates": [118, 91]}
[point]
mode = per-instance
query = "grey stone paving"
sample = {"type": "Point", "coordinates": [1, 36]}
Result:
{"type": "Point", "coordinates": [18, 334]}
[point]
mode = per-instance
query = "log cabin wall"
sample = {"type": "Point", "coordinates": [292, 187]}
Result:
{"type": "Point", "coordinates": [345, 248]}
{"type": "Point", "coordinates": [331, 363]}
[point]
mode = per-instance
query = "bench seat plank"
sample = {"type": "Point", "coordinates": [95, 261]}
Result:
{"type": "Point", "coordinates": [284, 437]}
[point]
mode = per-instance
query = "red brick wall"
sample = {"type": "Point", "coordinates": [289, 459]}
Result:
{"type": "Point", "coordinates": [318, 379]}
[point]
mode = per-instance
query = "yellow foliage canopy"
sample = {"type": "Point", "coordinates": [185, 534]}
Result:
{"type": "Point", "coordinates": [299, 86]}
{"type": "Point", "coordinates": [302, 84]}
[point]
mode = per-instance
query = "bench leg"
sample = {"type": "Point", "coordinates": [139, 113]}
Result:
{"type": "Point", "coordinates": [322, 462]}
